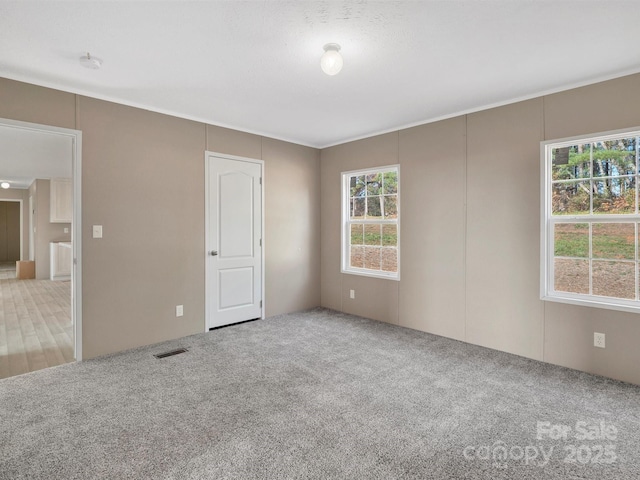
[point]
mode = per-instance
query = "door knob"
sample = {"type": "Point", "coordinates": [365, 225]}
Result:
{"type": "Point", "coordinates": [213, 253]}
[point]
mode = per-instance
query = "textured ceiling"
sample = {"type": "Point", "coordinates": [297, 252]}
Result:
{"type": "Point", "coordinates": [254, 66]}
{"type": "Point", "coordinates": [28, 154]}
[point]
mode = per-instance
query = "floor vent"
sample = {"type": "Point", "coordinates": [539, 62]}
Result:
{"type": "Point", "coordinates": [171, 353]}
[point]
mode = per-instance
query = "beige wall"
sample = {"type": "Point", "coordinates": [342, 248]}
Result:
{"type": "Point", "coordinates": [292, 243]}
{"type": "Point", "coordinates": [292, 215]}
{"type": "Point", "coordinates": [143, 180]}
{"type": "Point", "coordinates": [504, 310]}
{"type": "Point", "coordinates": [45, 230]}
{"type": "Point", "coordinates": [470, 264]}
{"type": "Point", "coordinates": [470, 235]}
{"type": "Point", "coordinates": [568, 330]}
{"type": "Point", "coordinates": [432, 157]}
{"type": "Point", "coordinates": [20, 194]}
{"type": "Point", "coordinates": [335, 287]}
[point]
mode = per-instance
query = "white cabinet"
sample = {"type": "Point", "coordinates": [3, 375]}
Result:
{"type": "Point", "coordinates": [61, 260]}
{"type": "Point", "coordinates": [61, 201]}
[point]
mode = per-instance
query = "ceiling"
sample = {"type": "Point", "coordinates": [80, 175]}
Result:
{"type": "Point", "coordinates": [254, 65]}
{"type": "Point", "coordinates": [27, 154]}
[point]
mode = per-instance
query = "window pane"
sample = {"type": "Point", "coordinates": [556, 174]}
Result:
{"type": "Point", "coordinates": [374, 184]}
{"type": "Point", "coordinates": [571, 162]}
{"type": "Point", "coordinates": [571, 240]}
{"type": "Point", "coordinates": [356, 259]}
{"type": "Point", "coordinates": [373, 207]}
{"type": "Point", "coordinates": [570, 198]}
{"type": "Point", "coordinates": [614, 279]}
{"type": "Point", "coordinates": [390, 183]}
{"type": "Point", "coordinates": [390, 206]}
{"type": "Point", "coordinates": [357, 234]}
{"type": "Point", "coordinates": [571, 275]}
{"type": "Point", "coordinates": [390, 235]}
{"type": "Point", "coordinates": [372, 258]}
{"type": "Point", "coordinates": [614, 157]}
{"type": "Point", "coordinates": [613, 241]}
{"type": "Point", "coordinates": [372, 234]}
{"type": "Point", "coordinates": [389, 259]}
{"type": "Point", "coordinates": [357, 207]}
{"type": "Point", "coordinates": [614, 195]}
{"type": "Point", "coordinates": [357, 185]}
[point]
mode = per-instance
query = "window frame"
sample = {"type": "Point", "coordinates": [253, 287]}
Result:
{"type": "Point", "coordinates": [346, 223]}
{"type": "Point", "coordinates": [548, 220]}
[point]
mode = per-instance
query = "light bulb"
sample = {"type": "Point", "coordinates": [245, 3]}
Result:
{"type": "Point", "coordinates": [5, 185]}
{"type": "Point", "coordinates": [331, 61]}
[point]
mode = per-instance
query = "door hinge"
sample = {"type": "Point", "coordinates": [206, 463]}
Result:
{"type": "Point", "coordinates": [260, 303]}
{"type": "Point", "coordinates": [260, 242]}
{"type": "Point", "coordinates": [260, 180]}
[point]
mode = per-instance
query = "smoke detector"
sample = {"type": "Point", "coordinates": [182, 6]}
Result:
{"type": "Point", "coordinates": [88, 61]}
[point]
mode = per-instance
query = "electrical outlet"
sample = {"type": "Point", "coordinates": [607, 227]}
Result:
{"type": "Point", "coordinates": [352, 294]}
{"type": "Point", "coordinates": [97, 231]}
{"type": "Point", "coordinates": [179, 310]}
{"type": "Point", "coordinates": [598, 340]}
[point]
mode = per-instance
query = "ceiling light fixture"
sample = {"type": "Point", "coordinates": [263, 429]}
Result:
{"type": "Point", "coordinates": [5, 185]}
{"type": "Point", "coordinates": [90, 62]}
{"type": "Point", "coordinates": [331, 61]}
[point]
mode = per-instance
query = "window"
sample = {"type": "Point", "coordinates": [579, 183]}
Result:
{"type": "Point", "coordinates": [370, 222]}
{"type": "Point", "coordinates": [591, 221]}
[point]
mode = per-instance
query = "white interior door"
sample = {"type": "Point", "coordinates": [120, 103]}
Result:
{"type": "Point", "coordinates": [234, 240]}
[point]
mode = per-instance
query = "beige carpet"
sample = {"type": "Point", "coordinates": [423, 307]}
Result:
{"type": "Point", "coordinates": [35, 324]}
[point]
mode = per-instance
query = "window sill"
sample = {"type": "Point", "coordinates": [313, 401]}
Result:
{"type": "Point", "coordinates": [395, 277]}
{"type": "Point", "coordinates": [607, 304]}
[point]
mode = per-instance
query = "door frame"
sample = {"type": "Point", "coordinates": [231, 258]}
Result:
{"type": "Point", "coordinates": [19, 200]}
{"type": "Point", "coordinates": [32, 244]}
{"type": "Point", "coordinates": [208, 270]}
{"type": "Point", "coordinates": [76, 226]}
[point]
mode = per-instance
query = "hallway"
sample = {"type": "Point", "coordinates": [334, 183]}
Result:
{"type": "Point", "coordinates": [35, 324]}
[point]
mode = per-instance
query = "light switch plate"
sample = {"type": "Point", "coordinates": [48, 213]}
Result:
{"type": "Point", "coordinates": [179, 310]}
{"type": "Point", "coordinates": [97, 231]}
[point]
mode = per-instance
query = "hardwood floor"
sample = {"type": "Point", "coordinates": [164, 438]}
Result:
{"type": "Point", "coordinates": [35, 324]}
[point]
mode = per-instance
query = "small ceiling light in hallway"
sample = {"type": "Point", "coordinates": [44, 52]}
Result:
{"type": "Point", "coordinates": [331, 61]}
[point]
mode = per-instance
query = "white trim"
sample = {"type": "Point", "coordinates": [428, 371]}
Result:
{"type": "Point", "coordinates": [76, 238]}
{"type": "Point", "coordinates": [548, 221]}
{"type": "Point", "coordinates": [150, 108]}
{"type": "Point", "coordinates": [320, 146]}
{"type": "Point", "coordinates": [607, 303]}
{"type": "Point", "coordinates": [32, 243]}
{"type": "Point", "coordinates": [207, 280]}
{"type": "Point", "coordinates": [344, 235]}
{"type": "Point", "coordinates": [487, 106]}
{"type": "Point", "coordinates": [76, 226]}
{"type": "Point", "coordinates": [207, 272]}
{"type": "Point", "coordinates": [544, 238]}
{"type": "Point", "coordinates": [591, 137]}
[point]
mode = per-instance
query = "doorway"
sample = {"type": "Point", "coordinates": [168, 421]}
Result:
{"type": "Point", "coordinates": [27, 151]}
{"type": "Point", "coordinates": [234, 240]}
{"type": "Point", "coordinates": [10, 231]}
